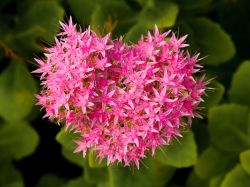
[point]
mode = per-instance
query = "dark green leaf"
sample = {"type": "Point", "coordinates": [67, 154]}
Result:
{"type": "Point", "coordinates": [94, 162]}
{"type": "Point", "coordinates": [79, 182]}
{"type": "Point", "coordinates": [17, 88]}
{"type": "Point", "coordinates": [17, 140]}
{"type": "Point", "coordinates": [214, 96]}
{"type": "Point", "coordinates": [75, 158]}
{"type": "Point", "coordinates": [46, 16]}
{"type": "Point", "coordinates": [40, 22]}
{"type": "Point", "coordinates": [50, 180]}
{"type": "Point", "coordinates": [216, 181]}
{"type": "Point", "coordinates": [213, 162]}
{"type": "Point", "coordinates": [181, 153]}
{"type": "Point", "coordinates": [146, 3]}
{"type": "Point", "coordinates": [163, 14]}
{"type": "Point", "coordinates": [228, 127]}
{"type": "Point", "coordinates": [217, 46]}
{"type": "Point", "coordinates": [135, 32]}
{"type": "Point", "coordinates": [193, 4]}
{"type": "Point", "coordinates": [21, 42]}
{"type": "Point", "coordinates": [9, 175]}
{"type": "Point", "coordinates": [67, 139]}
{"type": "Point", "coordinates": [236, 177]}
{"type": "Point", "coordinates": [195, 181]}
{"type": "Point", "coordinates": [240, 86]}
{"type": "Point", "coordinates": [152, 173]}
{"type": "Point", "coordinates": [245, 160]}
{"type": "Point", "coordinates": [14, 184]}
{"type": "Point", "coordinates": [116, 17]}
{"type": "Point", "coordinates": [95, 175]}
{"type": "Point", "coordinates": [201, 135]}
{"type": "Point", "coordinates": [104, 16]}
{"type": "Point", "coordinates": [83, 9]}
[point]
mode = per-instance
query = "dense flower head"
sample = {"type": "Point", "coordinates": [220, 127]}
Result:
{"type": "Point", "coordinates": [125, 100]}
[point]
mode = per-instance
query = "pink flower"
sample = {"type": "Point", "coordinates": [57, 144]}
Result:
{"type": "Point", "coordinates": [125, 100]}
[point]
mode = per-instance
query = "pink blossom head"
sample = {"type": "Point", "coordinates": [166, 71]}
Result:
{"type": "Point", "coordinates": [125, 100]}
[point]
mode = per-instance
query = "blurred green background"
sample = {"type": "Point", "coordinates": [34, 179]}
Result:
{"type": "Point", "coordinates": [215, 153]}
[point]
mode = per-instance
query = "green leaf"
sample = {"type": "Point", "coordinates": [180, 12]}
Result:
{"type": "Point", "coordinates": [201, 135]}
{"type": "Point", "coordinates": [245, 160]}
{"type": "Point", "coordinates": [94, 162]}
{"type": "Point", "coordinates": [104, 15]}
{"type": "Point", "coordinates": [214, 96]}
{"type": "Point", "coordinates": [217, 46]}
{"type": "Point", "coordinates": [95, 175]}
{"type": "Point", "coordinates": [14, 184]}
{"type": "Point", "coordinates": [67, 138]}
{"type": "Point", "coordinates": [185, 28]}
{"type": "Point", "coordinates": [240, 86]}
{"type": "Point", "coordinates": [35, 25]}
{"type": "Point", "coordinates": [195, 181]}
{"type": "Point", "coordinates": [150, 16]}
{"type": "Point", "coordinates": [17, 140]}
{"type": "Point", "coordinates": [17, 88]}
{"type": "Point", "coordinates": [179, 154]}
{"type": "Point", "coordinates": [83, 9]}
{"type": "Point", "coordinates": [46, 16]}
{"type": "Point", "coordinates": [21, 42]}
{"type": "Point", "coordinates": [152, 173]}
{"type": "Point", "coordinates": [213, 162]}
{"type": "Point", "coordinates": [193, 4]}
{"type": "Point", "coordinates": [236, 177]}
{"type": "Point", "coordinates": [135, 32]}
{"type": "Point", "coordinates": [116, 18]}
{"type": "Point", "coordinates": [248, 129]}
{"type": "Point", "coordinates": [146, 3]}
{"type": "Point", "coordinates": [98, 20]}
{"type": "Point", "coordinates": [75, 158]}
{"type": "Point", "coordinates": [228, 127]}
{"type": "Point", "coordinates": [216, 181]}
{"type": "Point", "coordinates": [9, 175]}
{"type": "Point", "coordinates": [162, 13]}
{"type": "Point", "coordinates": [79, 182]}
{"type": "Point", "coordinates": [50, 180]}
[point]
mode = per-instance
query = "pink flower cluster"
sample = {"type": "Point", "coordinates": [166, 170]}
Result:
{"type": "Point", "coordinates": [125, 100]}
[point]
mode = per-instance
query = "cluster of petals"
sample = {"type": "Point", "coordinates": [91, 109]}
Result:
{"type": "Point", "coordinates": [124, 100]}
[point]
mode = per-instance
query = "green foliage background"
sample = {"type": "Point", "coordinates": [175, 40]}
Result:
{"type": "Point", "coordinates": [215, 153]}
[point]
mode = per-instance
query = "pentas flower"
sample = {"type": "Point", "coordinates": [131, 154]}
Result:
{"type": "Point", "coordinates": [125, 100]}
